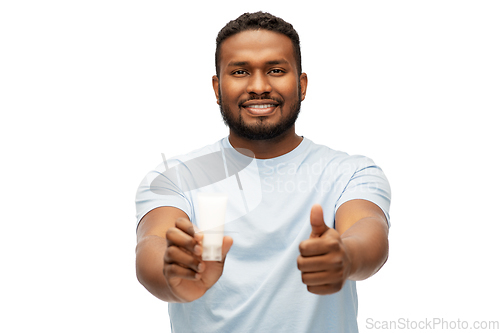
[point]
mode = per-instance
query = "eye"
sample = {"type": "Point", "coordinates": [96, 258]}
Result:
{"type": "Point", "coordinates": [239, 72]}
{"type": "Point", "coordinates": [276, 71]}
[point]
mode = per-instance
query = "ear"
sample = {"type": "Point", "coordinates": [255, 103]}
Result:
{"type": "Point", "coordinates": [215, 85]}
{"type": "Point", "coordinates": [303, 85]}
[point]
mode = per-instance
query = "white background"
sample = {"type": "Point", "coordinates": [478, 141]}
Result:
{"type": "Point", "coordinates": [92, 92]}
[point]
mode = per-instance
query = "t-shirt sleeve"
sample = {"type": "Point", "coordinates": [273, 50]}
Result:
{"type": "Point", "coordinates": [158, 190]}
{"type": "Point", "coordinates": [367, 182]}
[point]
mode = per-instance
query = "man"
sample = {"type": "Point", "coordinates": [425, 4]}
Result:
{"type": "Point", "coordinates": [311, 222]}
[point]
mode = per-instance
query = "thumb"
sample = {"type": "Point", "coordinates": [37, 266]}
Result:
{"type": "Point", "coordinates": [317, 222]}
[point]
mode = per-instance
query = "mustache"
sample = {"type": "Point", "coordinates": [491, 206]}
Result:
{"type": "Point", "coordinates": [265, 96]}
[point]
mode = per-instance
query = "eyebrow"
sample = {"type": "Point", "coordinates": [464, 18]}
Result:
{"type": "Point", "coordinates": [246, 63]}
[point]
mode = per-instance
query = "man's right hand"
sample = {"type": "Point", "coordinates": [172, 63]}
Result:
{"type": "Point", "coordinates": [187, 275]}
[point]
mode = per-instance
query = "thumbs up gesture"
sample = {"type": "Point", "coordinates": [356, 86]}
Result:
{"type": "Point", "coordinates": [323, 260]}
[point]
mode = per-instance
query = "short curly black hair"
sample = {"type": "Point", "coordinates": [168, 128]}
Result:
{"type": "Point", "coordinates": [255, 21]}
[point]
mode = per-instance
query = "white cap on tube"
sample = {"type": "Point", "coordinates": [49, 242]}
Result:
{"type": "Point", "coordinates": [212, 252]}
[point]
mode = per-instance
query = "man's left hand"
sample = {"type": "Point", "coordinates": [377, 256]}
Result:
{"type": "Point", "coordinates": [323, 260]}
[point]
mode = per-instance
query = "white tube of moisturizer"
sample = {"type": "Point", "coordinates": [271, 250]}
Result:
{"type": "Point", "coordinates": [212, 215]}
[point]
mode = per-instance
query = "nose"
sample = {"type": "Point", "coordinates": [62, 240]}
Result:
{"type": "Point", "coordinates": [258, 84]}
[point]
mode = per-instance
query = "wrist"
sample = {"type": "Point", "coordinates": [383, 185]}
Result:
{"type": "Point", "coordinates": [352, 264]}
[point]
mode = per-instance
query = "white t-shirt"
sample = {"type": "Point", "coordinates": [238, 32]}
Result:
{"type": "Point", "coordinates": [268, 210]}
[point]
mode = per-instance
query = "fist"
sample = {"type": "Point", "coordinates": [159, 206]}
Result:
{"type": "Point", "coordinates": [323, 260]}
{"type": "Point", "coordinates": [187, 275]}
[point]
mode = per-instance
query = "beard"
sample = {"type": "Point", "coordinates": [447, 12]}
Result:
{"type": "Point", "coordinates": [261, 130]}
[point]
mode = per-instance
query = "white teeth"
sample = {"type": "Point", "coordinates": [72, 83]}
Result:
{"type": "Point", "coordinates": [260, 106]}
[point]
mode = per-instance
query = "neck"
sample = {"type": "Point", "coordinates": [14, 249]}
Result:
{"type": "Point", "coordinates": [264, 149]}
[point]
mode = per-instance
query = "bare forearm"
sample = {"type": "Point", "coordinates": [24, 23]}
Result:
{"type": "Point", "coordinates": [367, 246]}
{"type": "Point", "coordinates": [150, 252]}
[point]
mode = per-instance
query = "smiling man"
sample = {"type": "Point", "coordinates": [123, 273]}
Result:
{"type": "Point", "coordinates": [259, 88]}
{"type": "Point", "coordinates": [321, 221]}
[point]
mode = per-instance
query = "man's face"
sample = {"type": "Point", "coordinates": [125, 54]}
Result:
{"type": "Point", "coordinates": [259, 89]}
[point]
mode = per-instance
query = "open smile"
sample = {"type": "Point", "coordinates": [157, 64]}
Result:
{"type": "Point", "coordinates": [260, 108]}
